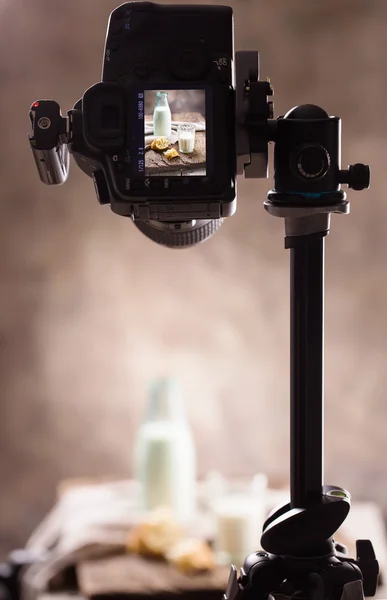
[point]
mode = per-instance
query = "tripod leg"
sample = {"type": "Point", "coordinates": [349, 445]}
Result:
{"type": "Point", "coordinates": [335, 580]}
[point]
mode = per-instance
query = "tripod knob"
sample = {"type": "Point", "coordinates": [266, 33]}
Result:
{"type": "Point", "coordinates": [311, 162]}
{"type": "Point", "coordinates": [357, 176]}
{"type": "Point", "coordinates": [369, 566]}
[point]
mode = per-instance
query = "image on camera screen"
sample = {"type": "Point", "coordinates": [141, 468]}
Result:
{"type": "Point", "coordinates": [175, 132]}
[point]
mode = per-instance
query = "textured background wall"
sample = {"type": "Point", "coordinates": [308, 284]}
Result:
{"type": "Point", "coordinates": [90, 310]}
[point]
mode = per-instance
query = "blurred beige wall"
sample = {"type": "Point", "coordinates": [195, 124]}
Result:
{"type": "Point", "coordinates": [90, 310]}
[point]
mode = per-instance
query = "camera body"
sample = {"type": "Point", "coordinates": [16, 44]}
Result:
{"type": "Point", "coordinates": [182, 58]}
{"type": "Point", "coordinates": [171, 123]}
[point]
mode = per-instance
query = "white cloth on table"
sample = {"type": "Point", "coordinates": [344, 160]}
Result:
{"type": "Point", "coordinates": [88, 521]}
{"type": "Point", "coordinates": [199, 126]}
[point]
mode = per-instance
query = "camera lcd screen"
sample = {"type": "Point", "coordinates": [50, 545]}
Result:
{"type": "Point", "coordinates": [174, 124]}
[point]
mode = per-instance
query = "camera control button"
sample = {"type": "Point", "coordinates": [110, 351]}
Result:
{"type": "Point", "coordinates": [113, 43]}
{"type": "Point", "coordinates": [155, 64]}
{"type": "Point", "coordinates": [141, 71]}
{"type": "Point", "coordinates": [115, 27]}
{"type": "Point", "coordinates": [188, 60]}
{"type": "Point", "coordinates": [137, 184]}
{"type": "Point", "coordinates": [157, 184]}
{"type": "Point", "coordinates": [194, 183]}
{"type": "Point", "coordinates": [175, 182]}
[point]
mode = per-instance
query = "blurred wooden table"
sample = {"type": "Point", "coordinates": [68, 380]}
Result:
{"type": "Point", "coordinates": [134, 578]}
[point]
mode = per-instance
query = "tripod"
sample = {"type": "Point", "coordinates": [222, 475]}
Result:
{"type": "Point", "coordinates": [300, 558]}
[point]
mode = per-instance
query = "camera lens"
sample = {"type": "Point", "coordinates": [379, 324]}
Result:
{"type": "Point", "coordinates": [182, 234]}
{"type": "Point", "coordinates": [311, 161]}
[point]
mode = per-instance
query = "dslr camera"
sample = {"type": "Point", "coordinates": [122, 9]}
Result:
{"type": "Point", "coordinates": [157, 134]}
{"type": "Point", "coordinates": [176, 117]}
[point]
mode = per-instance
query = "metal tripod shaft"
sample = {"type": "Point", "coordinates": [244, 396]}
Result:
{"type": "Point", "coordinates": [306, 370]}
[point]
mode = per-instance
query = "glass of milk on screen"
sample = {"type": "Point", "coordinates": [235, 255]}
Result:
{"type": "Point", "coordinates": [186, 137]}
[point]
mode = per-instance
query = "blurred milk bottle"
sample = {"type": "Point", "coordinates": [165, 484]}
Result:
{"type": "Point", "coordinates": [164, 453]}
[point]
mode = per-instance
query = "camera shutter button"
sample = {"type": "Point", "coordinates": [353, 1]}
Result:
{"type": "Point", "coordinates": [141, 71]}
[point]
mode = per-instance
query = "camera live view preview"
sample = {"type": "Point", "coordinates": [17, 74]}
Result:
{"type": "Point", "coordinates": [175, 133]}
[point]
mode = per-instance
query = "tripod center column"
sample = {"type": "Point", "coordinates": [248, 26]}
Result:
{"type": "Point", "coordinates": [306, 368]}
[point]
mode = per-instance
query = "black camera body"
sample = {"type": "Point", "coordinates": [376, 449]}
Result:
{"type": "Point", "coordinates": [172, 123]}
{"type": "Point", "coordinates": [186, 53]}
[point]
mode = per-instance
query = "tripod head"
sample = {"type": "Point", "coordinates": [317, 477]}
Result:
{"type": "Point", "coordinates": [307, 154]}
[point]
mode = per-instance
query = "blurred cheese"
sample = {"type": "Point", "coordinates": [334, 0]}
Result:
{"type": "Point", "coordinates": [192, 556]}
